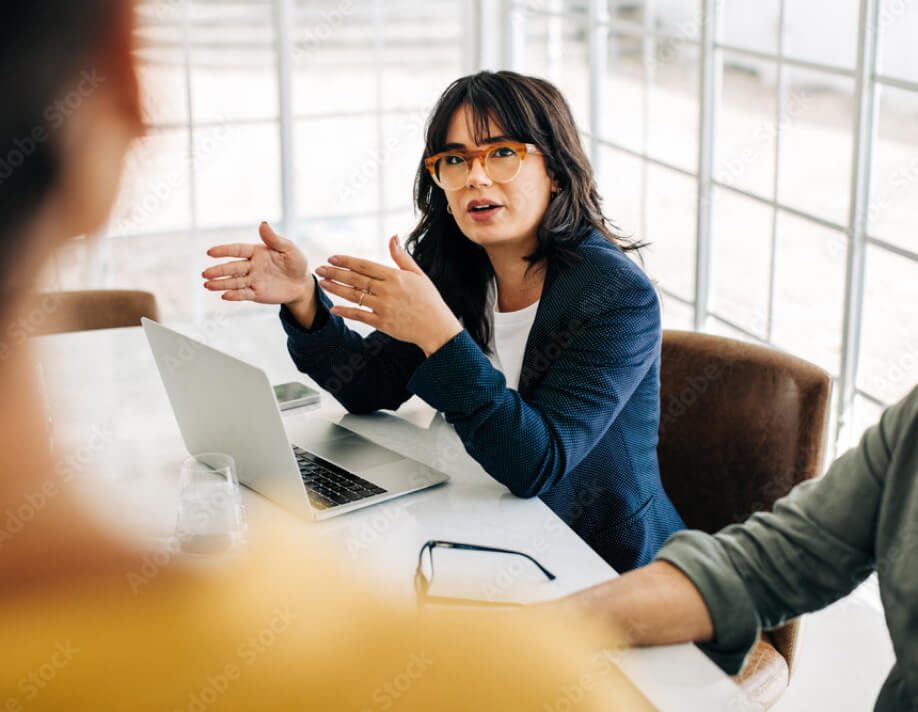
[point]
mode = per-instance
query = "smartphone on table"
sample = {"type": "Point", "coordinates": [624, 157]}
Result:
{"type": "Point", "coordinates": [295, 395]}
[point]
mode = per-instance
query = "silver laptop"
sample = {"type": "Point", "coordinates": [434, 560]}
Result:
{"type": "Point", "coordinates": [223, 404]}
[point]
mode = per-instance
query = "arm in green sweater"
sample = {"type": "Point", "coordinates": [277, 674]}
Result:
{"type": "Point", "coordinates": [816, 546]}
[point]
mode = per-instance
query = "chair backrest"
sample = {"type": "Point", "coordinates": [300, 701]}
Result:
{"type": "Point", "coordinates": [740, 426]}
{"type": "Point", "coordinates": [57, 312]}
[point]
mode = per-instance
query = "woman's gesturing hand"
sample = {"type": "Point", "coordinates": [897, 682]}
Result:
{"type": "Point", "coordinates": [401, 302]}
{"type": "Point", "coordinates": [274, 272]}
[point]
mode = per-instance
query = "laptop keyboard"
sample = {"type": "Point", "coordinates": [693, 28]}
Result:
{"type": "Point", "coordinates": [329, 485]}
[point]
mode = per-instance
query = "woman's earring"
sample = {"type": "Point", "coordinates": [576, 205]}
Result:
{"type": "Point", "coordinates": [449, 208]}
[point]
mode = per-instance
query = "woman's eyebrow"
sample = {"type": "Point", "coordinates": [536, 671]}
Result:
{"type": "Point", "coordinates": [490, 139]}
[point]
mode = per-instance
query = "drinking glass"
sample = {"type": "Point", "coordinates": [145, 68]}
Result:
{"type": "Point", "coordinates": [211, 519]}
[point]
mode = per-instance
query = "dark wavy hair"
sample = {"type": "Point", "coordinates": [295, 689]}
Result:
{"type": "Point", "coordinates": [44, 45]}
{"type": "Point", "coordinates": [529, 110]}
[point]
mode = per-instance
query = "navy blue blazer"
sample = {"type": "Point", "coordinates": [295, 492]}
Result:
{"type": "Point", "coordinates": [581, 431]}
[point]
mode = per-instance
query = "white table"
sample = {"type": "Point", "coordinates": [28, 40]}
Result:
{"type": "Point", "coordinates": [111, 413]}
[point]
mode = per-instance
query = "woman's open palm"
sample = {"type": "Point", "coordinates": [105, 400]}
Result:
{"type": "Point", "coordinates": [273, 272]}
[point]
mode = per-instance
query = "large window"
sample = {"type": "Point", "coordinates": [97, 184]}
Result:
{"type": "Point", "coordinates": [772, 165]}
{"type": "Point", "coordinates": [306, 113]}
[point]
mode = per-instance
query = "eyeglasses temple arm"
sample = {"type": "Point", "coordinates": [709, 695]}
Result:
{"type": "Point", "coordinates": [497, 550]}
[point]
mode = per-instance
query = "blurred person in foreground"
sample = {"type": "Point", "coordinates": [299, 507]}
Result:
{"type": "Point", "coordinates": [819, 543]}
{"type": "Point", "coordinates": [262, 632]}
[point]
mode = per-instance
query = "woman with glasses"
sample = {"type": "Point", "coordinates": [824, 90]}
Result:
{"type": "Point", "coordinates": [513, 309]}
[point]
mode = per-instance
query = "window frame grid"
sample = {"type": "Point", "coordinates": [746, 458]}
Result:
{"type": "Point", "coordinates": [856, 232]}
{"type": "Point", "coordinates": [598, 24]}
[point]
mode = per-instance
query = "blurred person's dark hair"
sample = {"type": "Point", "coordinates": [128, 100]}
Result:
{"type": "Point", "coordinates": [529, 110]}
{"type": "Point", "coordinates": [46, 48]}
{"type": "Point", "coordinates": [69, 111]}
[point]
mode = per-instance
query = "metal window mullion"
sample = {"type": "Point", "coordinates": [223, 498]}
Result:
{"type": "Point", "coordinates": [513, 46]}
{"type": "Point", "coordinates": [491, 15]}
{"type": "Point", "coordinates": [648, 76]}
{"type": "Point", "coordinates": [676, 297]}
{"type": "Point", "coordinates": [284, 23]}
{"type": "Point", "coordinates": [358, 114]}
{"type": "Point", "coordinates": [555, 41]}
{"type": "Point", "coordinates": [599, 50]}
{"type": "Point", "coordinates": [379, 51]}
{"type": "Point", "coordinates": [895, 83]}
{"type": "Point", "coordinates": [789, 61]}
{"type": "Point", "coordinates": [709, 88]}
{"type": "Point", "coordinates": [635, 29]}
{"type": "Point", "coordinates": [796, 212]}
{"type": "Point", "coordinates": [864, 134]}
{"type": "Point", "coordinates": [645, 158]}
{"type": "Point", "coordinates": [223, 229]}
{"type": "Point", "coordinates": [197, 301]}
{"type": "Point", "coordinates": [870, 398]}
{"type": "Point", "coordinates": [471, 38]}
{"type": "Point", "coordinates": [736, 327]}
{"type": "Point", "coordinates": [97, 270]}
{"type": "Point", "coordinates": [780, 107]}
{"type": "Point", "coordinates": [208, 124]}
{"type": "Point", "coordinates": [892, 247]}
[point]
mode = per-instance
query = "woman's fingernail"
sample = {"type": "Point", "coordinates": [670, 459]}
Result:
{"type": "Point", "coordinates": [333, 259]}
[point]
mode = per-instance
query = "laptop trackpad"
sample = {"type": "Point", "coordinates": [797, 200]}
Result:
{"type": "Point", "coordinates": [353, 452]}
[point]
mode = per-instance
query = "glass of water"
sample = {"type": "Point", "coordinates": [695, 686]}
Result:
{"type": "Point", "coordinates": [211, 519]}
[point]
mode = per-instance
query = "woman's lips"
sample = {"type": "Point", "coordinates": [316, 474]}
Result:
{"type": "Point", "coordinates": [485, 214]}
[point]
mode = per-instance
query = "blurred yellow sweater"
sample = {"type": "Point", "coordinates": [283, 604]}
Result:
{"type": "Point", "coordinates": [284, 629]}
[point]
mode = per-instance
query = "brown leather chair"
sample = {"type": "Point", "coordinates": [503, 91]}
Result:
{"type": "Point", "coordinates": [740, 426]}
{"type": "Point", "coordinates": [57, 312]}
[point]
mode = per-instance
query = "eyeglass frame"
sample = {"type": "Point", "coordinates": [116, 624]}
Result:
{"type": "Point", "coordinates": [521, 149]}
{"type": "Point", "coordinates": [422, 583]}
